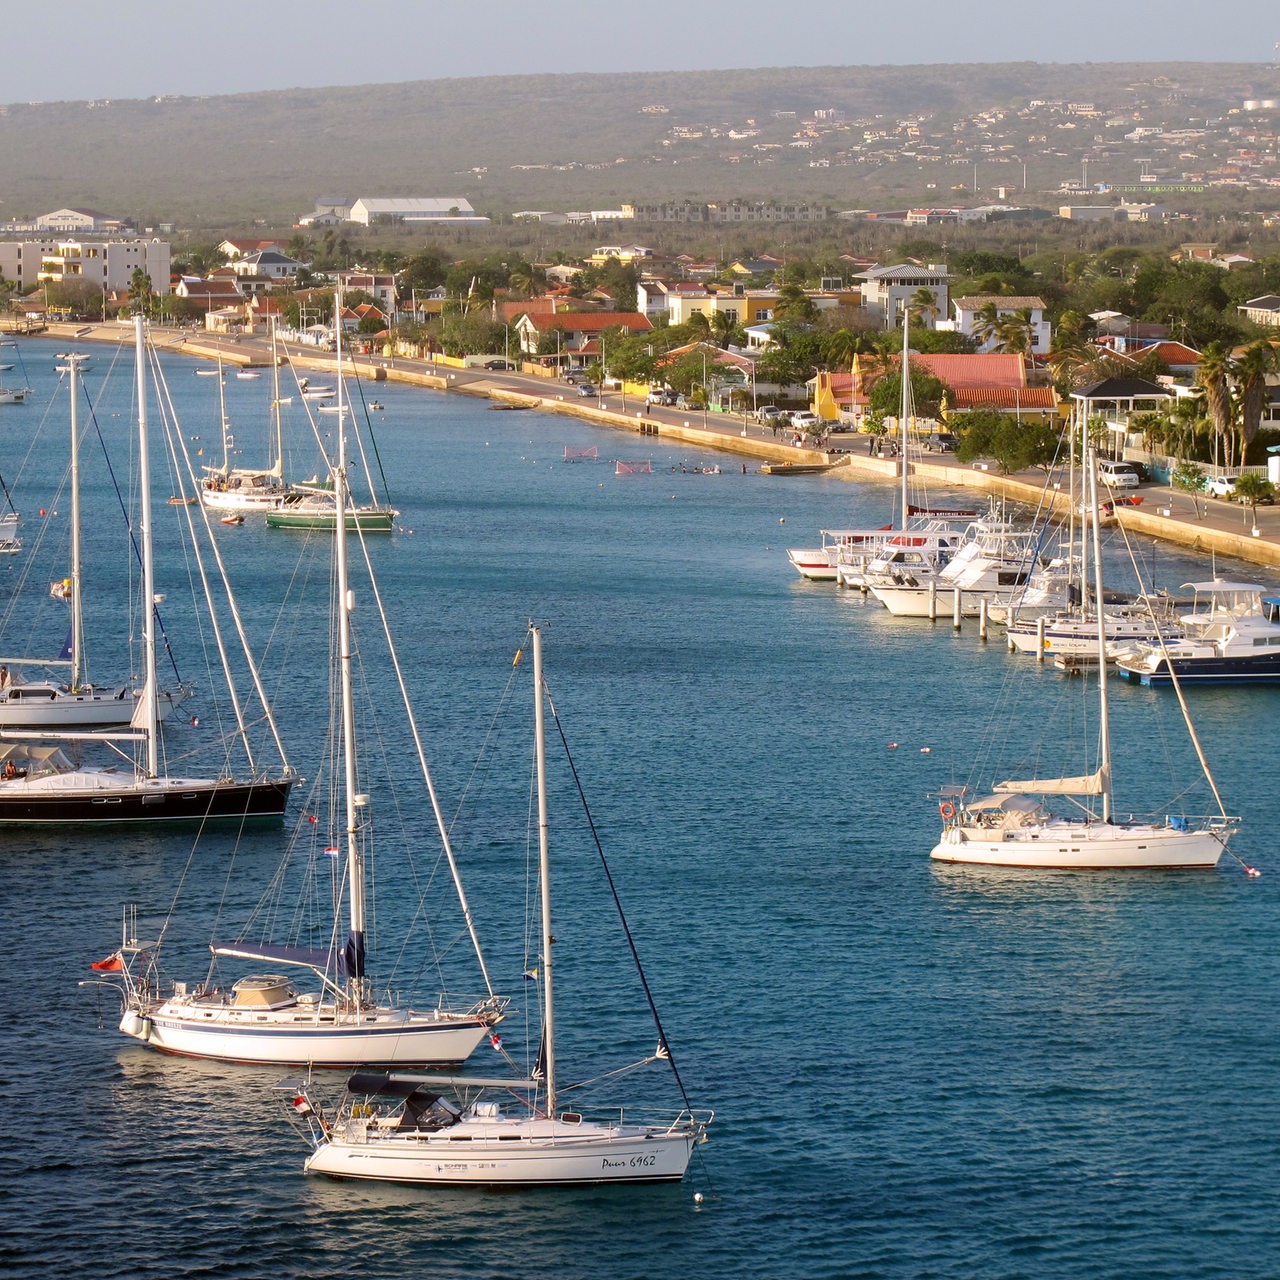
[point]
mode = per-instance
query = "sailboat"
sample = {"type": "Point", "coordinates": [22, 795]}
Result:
{"type": "Point", "coordinates": [1014, 827]}
{"type": "Point", "coordinates": [50, 705]}
{"type": "Point", "coordinates": [313, 505]}
{"type": "Point", "coordinates": [401, 1127]}
{"type": "Point", "coordinates": [263, 1018]}
{"type": "Point", "coordinates": [41, 785]}
{"type": "Point", "coordinates": [241, 489]}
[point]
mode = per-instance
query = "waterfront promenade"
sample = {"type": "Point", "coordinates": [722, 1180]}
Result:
{"type": "Point", "coordinates": [1209, 525]}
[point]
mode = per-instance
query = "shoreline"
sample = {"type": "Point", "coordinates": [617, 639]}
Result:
{"type": "Point", "coordinates": [1203, 525]}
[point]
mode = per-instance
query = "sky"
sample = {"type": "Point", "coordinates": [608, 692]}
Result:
{"type": "Point", "coordinates": [139, 48]}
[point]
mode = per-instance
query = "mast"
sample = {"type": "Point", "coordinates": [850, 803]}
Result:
{"type": "Point", "coordinates": [355, 950]}
{"type": "Point", "coordinates": [905, 408]}
{"type": "Point", "coordinates": [222, 413]}
{"type": "Point", "coordinates": [544, 878]}
{"type": "Point", "coordinates": [146, 710]}
{"type": "Point", "coordinates": [1104, 719]}
{"type": "Point", "coordinates": [277, 465]}
{"type": "Point", "coordinates": [75, 362]}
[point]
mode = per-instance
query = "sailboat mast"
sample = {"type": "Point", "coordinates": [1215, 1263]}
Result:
{"type": "Point", "coordinates": [147, 709]}
{"type": "Point", "coordinates": [74, 365]}
{"type": "Point", "coordinates": [1104, 716]}
{"type": "Point", "coordinates": [904, 408]}
{"type": "Point", "coordinates": [346, 604]}
{"type": "Point", "coordinates": [544, 878]}
{"type": "Point", "coordinates": [222, 413]}
{"type": "Point", "coordinates": [277, 462]}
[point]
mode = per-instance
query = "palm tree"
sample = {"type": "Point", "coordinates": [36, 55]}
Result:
{"type": "Point", "coordinates": [726, 329]}
{"type": "Point", "coordinates": [986, 323]}
{"type": "Point", "coordinates": [1214, 376]}
{"type": "Point", "coordinates": [794, 304]}
{"type": "Point", "coordinates": [1014, 332]}
{"type": "Point", "coordinates": [1251, 371]}
{"type": "Point", "coordinates": [923, 306]}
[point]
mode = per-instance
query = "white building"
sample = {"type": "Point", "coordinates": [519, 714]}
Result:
{"type": "Point", "coordinates": [967, 312]}
{"type": "Point", "coordinates": [886, 291]}
{"type": "Point", "coordinates": [100, 264]}
{"type": "Point", "coordinates": [436, 210]}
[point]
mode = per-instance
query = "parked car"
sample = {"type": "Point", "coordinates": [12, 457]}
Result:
{"type": "Point", "coordinates": [805, 420]}
{"type": "Point", "coordinates": [940, 442]}
{"type": "Point", "coordinates": [769, 413]}
{"type": "Point", "coordinates": [659, 396]}
{"type": "Point", "coordinates": [496, 364]}
{"type": "Point", "coordinates": [1220, 486]}
{"type": "Point", "coordinates": [1117, 475]}
{"type": "Point", "coordinates": [585, 389]}
{"type": "Point", "coordinates": [572, 376]}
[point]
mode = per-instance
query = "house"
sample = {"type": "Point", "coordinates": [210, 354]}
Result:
{"type": "Point", "coordinates": [577, 330]}
{"type": "Point", "coordinates": [381, 286]}
{"type": "Point", "coordinates": [233, 249]}
{"type": "Point", "coordinates": [268, 264]}
{"type": "Point", "coordinates": [886, 291]}
{"type": "Point", "coordinates": [1264, 310]}
{"type": "Point", "coordinates": [968, 313]}
{"type": "Point", "coordinates": [619, 253]}
{"type": "Point", "coordinates": [989, 381]}
{"type": "Point", "coordinates": [215, 292]}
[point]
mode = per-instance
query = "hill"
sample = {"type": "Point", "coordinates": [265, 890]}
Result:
{"type": "Point", "coordinates": [584, 141]}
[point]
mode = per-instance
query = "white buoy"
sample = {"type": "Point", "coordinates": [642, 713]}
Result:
{"type": "Point", "coordinates": [697, 1197]}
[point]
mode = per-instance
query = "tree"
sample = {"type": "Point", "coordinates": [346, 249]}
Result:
{"type": "Point", "coordinates": [1012, 445]}
{"type": "Point", "coordinates": [795, 305]}
{"type": "Point", "coordinates": [140, 290]}
{"type": "Point", "coordinates": [1014, 332]}
{"type": "Point", "coordinates": [927, 392]}
{"type": "Point", "coordinates": [1213, 376]}
{"type": "Point", "coordinates": [1251, 489]}
{"type": "Point", "coordinates": [923, 307]}
{"type": "Point", "coordinates": [986, 323]}
{"type": "Point", "coordinates": [1250, 371]}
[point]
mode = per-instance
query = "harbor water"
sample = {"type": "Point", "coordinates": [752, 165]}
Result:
{"type": "Point", "coordinates": [916, 1070]}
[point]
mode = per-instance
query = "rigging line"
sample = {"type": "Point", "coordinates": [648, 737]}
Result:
{"type": "Point", "coordinates": [420, 748]}
{"type": "Point", "coordinates": [1177, 686]}
{"type": "Point", "coordinates": [133, 540]}
{"type": "Point", "coordinates": [617, 901]}
{"type": "Point", "coordinates": [373, 440]}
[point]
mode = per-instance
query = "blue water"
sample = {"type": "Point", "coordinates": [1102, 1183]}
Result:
{"type": "Point", "coordinates": [916, 1071]}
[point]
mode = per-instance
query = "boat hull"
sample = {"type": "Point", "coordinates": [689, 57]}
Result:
{"type": "Point", "coordinates": [366, 521]}
{"type": "Point", "coordinates": [1083, 846]}
{"type": "Point", "coordinates": [473, 1155]}
{"type": "Point", "coordinates": [1264, 668]}
{"type": "Point", "coordinates": [299, 1037]}
{"type": "Point", "coordinates": [56, 709]}
{"type": "Point", "coordinates": [96, 797]}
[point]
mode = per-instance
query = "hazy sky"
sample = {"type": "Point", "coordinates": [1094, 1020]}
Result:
{"type": "Point", "coordinates": [136, 48]}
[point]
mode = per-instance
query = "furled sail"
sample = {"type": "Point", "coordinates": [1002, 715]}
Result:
{"type": "Point", "coordinates": [1090, 784]}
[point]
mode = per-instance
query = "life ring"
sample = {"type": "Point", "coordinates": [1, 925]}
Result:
{"type": "Point", "coordinates": [947, 809]}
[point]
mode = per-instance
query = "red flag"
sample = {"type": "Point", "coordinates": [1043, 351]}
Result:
{"type": "Point", "coordinates": [112, 964]}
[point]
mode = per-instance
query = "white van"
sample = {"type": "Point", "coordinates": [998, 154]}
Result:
{"type": "Point", "coordinates": [1117, 475]}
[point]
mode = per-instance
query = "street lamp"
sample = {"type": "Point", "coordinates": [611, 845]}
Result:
{"type": "Point", "coordinates": [704, 388]}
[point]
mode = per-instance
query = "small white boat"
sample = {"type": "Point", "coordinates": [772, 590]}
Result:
{"type": "Point", "coordinates": [232, 519]}
{"type": "Point", "coordinates": [208, 373]}
{"type": "Point", "coordinates": [248, 373]}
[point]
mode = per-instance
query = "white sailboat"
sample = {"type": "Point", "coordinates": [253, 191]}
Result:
{"type": "Point", "coordinates": [39, 785]}
{"type": "Point", "coordinates": [49, 705]}
{"type": "Point", "coordinates": [310, 505]}
{"type": "Point", "coordinates": [263, 1018]}
{"type": "Point", "coordinates": [1014, 826]}
{"type": "Point", "coordinates": [246, 489]}
{"type": "Point", "coordinates": [450, 1131]}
